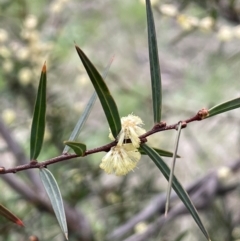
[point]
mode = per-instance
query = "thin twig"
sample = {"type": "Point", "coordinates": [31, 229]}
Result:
{"type": "Point", "coordinates": [157, 128]}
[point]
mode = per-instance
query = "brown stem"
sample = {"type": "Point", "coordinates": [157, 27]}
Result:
{"type": "Point", "coordinates": [162, 126]}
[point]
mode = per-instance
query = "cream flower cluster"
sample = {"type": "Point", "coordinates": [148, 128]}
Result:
{"type": "Point", "coordinates": [124, 157]}
{"type": "Point", "coordinates": [207, 24]}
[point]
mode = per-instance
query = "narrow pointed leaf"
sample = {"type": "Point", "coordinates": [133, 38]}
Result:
{"type": "Point", "coordinates": [107, 101]}
{"type": "Point", "coordinates": [223, 107]}
{"type": "Point", "coordinates": [78, 148]}
{"type": "Point", "coordinates": [55, 197]}
{"type": "Point", "coordinates": [160, 152]}
{"type": "Point", "coordinates": [76, 131]}
{"type": "Point", "coordinates": [81, 121]}
{"type": "Point", "coordinates": [38, 122]}
{"type": "Point", "coordinates": [154, 65]}
{"type": "Point", "coordinates": [10, 216]}
{"type": "Point", "coordinates": [172, 169]}
{"type": "Point", "coordinates": [176, 186]}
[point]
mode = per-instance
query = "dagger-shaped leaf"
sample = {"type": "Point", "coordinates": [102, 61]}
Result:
{"type": "Point", "coordinates": [10, 216]}
{"type": "Point", "coordinates": [160, 152]}
{"type": "Point", "coordinates": [223, 107]}
{"type": "Point", "coordinates": [172, 169]}
{"type": "Point", "coordinates": [81, 121]}
{"type": "Point", "coordinates": [55, 197]}
{"type": "Point", "coordinates": [78, 148]}
{"type": "Point", "coordinates": [176, 186]}
{"type": "Point", "coordinates": [85, 113]}
{"type": "Point", "coordinates": [154, 65]}
{"type": "Point", "coordinates": [38, 122]}
{"type": "Point", "coordinates": [108, 104]}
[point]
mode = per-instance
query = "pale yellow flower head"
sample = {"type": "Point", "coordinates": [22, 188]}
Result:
{"type": "Point", "coordinates": [169, 10]}
{"type": "Point", "coordinates": [131, 129]}
{"type": "Point", "coordinates": [120, 160]}
{"type": "Point", "coordinates": [9, 116]}
{"type": "Point", "coordinates": [30, 22]}
{"type": "Point", "coordinates": [225, 34]}
{"type": "Point", "coordinates": [25, 76]}
{"type": "Point", "coordinates": [206, 24]}
{"type": "Point", "coordinates": [3, 35]}
{"type": "Point", "coordinates": [187, 22]}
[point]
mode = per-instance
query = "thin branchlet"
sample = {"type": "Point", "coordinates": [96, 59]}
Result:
{"type": "Point", "coordinates": [162, 126]}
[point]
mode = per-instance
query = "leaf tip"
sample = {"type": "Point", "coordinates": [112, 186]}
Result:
{"type": "Point", "coordinates": [66, 236]}
{"type": "Point", "coordinates": [77, 48]}
{"type": "Point", "coordinates": [44, 68]}
{"type": "Point", "coordinates": [20, 223]}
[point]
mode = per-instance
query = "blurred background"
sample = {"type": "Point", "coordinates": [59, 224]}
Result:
{"type": "Point", "coordinates": [199, 51]}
